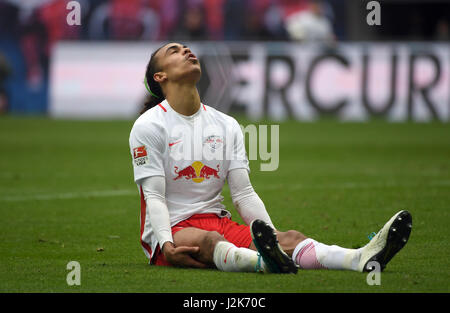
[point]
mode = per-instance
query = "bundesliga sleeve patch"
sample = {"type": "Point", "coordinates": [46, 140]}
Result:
{"type": "Point", "coordinates": [140, 155]}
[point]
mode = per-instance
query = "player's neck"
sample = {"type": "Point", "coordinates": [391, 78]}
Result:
{"type": "Point", "coordinates": [184, 99]}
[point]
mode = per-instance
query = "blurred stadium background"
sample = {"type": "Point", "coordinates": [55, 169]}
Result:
{"type": "Point", "coordinates": [264, 58]}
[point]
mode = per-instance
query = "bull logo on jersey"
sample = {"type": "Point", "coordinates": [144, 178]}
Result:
{"type": "Point", "coordinates": [197, 171]}
{"type": "Point", "coordinates": [214, 142]}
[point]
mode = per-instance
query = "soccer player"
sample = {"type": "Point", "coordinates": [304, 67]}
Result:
{"type": "Point", "coordinates": [183, 151]}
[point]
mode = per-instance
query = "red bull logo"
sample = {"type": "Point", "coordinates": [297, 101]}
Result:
{"type": "Point", "coordinates": [197, 171]}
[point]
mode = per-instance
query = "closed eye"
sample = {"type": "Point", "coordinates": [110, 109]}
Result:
{"type": "Point", "coordinates": [174, 48]}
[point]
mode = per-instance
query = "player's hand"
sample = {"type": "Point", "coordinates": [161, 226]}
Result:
{"type": "Point", "coordinates": [182, 256]}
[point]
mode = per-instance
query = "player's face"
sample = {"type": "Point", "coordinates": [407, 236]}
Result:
{"type": "Point", "coordinates": [179, 63]}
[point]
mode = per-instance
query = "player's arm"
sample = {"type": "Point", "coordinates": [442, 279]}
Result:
{"type": "Point", "coordinates": [154, 194]}
{"type": "Point", "coordinates": [147, 146]}
{"type": "Point", "coordinates": [246, 201]}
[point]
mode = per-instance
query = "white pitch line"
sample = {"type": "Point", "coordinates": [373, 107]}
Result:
{"type": "Point", "coordinates": [351, 185]}
{"type": "Point", "coordinates": [266, 187]}
{"type": "Point", "coordinates": [72, 195]}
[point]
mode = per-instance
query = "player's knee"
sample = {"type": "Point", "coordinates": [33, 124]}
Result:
{"type": "Point", "coordinates": [210, 240]}
{"type": "Point", "coordinates": [290, 238]}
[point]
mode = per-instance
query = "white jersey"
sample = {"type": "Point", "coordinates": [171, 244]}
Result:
{"type": "Point", "coordinates": [194, 154]}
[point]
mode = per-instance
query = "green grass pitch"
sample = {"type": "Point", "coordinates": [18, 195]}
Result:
{"type": "Point", "coordinates": [67, 193]}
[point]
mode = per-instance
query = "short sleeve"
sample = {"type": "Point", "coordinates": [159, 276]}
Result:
{"type": "Point", "coordinates": [238, 156]}
{"type": "Point", "coordinates": [147, 148]}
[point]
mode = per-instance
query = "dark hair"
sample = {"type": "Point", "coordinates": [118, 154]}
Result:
{"type": "Point", "coordinates": [156, 96]}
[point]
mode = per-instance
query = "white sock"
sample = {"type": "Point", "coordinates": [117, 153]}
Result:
{"type": "Point", "coordinates": [310, 254]}
{"type": "Point", "coordinates": [229, 258]}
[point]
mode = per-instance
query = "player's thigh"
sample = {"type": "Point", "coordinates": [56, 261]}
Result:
{"type": "Point", "coordinates": [189, 236]}
{"type": "Point", "coordinates": [196, 237]}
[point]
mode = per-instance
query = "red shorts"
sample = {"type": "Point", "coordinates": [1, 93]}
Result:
{"type": "Point", "coordinates": [237, 234]}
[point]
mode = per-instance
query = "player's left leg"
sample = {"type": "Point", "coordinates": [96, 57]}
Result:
{"type": "Point", "coordinates": [310, 254]}
{"type": "Point", "coordinates": [266, 242]}
{"type": "Point", "coordinates": [306, 253]}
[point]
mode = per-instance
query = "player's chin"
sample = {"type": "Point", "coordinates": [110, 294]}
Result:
{"type": "Point", "coordinates": [195, 69]}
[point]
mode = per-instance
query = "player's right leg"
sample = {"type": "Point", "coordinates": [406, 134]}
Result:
{"type": "Point", "coordinates": [216, 251]}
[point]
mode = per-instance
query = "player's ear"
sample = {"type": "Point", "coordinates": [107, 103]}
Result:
{"type": "Point", "coordinates": [160, 77]}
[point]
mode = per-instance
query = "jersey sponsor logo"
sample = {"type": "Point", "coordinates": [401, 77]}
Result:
{"type": "Point", "coordinates": [174, 143]}
{"type": "Point", "coordinates": [140, 155]}
{"type": "Point", "coordinates": [197, 172]}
